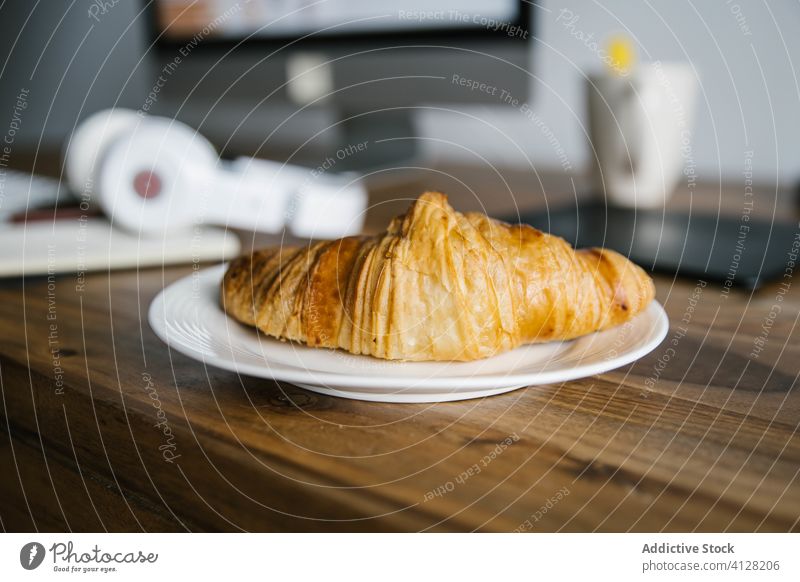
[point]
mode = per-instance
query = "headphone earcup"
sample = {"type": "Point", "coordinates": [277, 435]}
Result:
{"type": "Point", "coordinates": [158, 176]}
{"type": "Point", "coordinates": [89, 142]}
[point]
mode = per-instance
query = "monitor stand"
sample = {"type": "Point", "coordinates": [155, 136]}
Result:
{"type": "Point", "coordinates": [731, 250]}
{"type": "Point", "coordinates": [375, 140]}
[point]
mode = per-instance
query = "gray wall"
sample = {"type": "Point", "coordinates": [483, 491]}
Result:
{"type": "Point", "coordinates": [72, 64]}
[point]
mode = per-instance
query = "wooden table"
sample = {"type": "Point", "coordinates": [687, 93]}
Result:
{"type": "Point", "coordinates": [104, 428]}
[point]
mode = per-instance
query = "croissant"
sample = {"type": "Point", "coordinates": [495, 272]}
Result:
{"type": "Point", "coordinates": [437, 285]}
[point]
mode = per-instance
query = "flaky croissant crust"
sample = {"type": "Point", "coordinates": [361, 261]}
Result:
{"type": "Point", "coordinates": [437, 285]}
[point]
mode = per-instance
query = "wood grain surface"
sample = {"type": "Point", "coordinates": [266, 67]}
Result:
{"type": "Point", "coordinates": [105, 428]}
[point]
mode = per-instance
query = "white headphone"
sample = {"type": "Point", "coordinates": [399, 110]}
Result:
{"type": "Point", "coordinates": [154, 174]}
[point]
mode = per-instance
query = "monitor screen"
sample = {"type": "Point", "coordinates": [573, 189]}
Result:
{"type": "Point", "coordinates": [184, 20]}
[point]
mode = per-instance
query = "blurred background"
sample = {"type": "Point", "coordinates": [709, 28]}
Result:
{"type": "Point", "coordinates": [508, 105]}
{"type": "Point", "coordinates": [82, 56]}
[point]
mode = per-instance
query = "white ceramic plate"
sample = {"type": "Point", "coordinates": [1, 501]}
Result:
{"type": "Point", "coordinates": [188, 317]}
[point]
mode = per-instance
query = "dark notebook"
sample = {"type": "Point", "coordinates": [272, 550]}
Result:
{"type": "Point", "coordinates": [733, 250]}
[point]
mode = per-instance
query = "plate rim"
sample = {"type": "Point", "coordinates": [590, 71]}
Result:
{"type": "Point", "coordinates": [370, 379]}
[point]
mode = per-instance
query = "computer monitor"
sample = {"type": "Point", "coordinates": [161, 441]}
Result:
{"type": "Point", "coordinates": [307, 76]}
